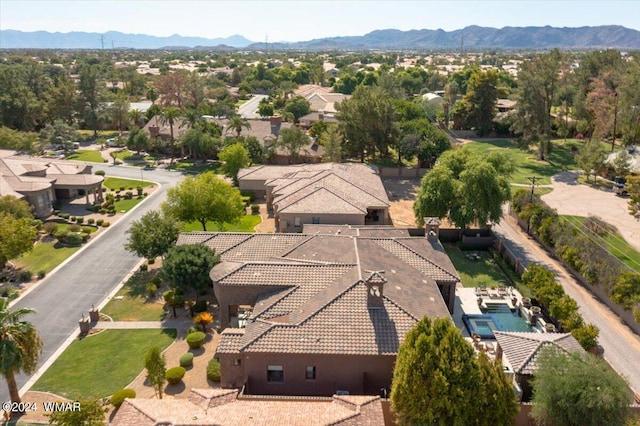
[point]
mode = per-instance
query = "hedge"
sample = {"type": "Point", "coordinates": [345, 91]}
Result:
{"type": "Point", "coordinates": [174, 375]}
{"type": "Point", "coordinates": [213, 370]}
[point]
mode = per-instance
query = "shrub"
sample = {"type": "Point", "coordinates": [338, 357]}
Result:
{"type": "Point", "coordinates": [128, 195]}
{"type": "Point", "coordinates": [41, 274]}
{"type": "Point", "coordinates": [122, 188]}
{"type": "Point", "coordinates": [255, 209]}
{"type": "Point", "coordinates": [174, 375]}
{"type": "Point", "coordinates": [84, 236]}
{"type": "Point", "coordinates": [74, 228]}
{"type": "Point", "coordinates": [131, 188]}
{"type": "Point", "coordinates": [139, 189]}
{"type": "Point", "coordinates": [51, 228]}
{"type": "Point", "coordinates": [151, 261]}
{"type": "Point", "coordinates": [25, 275]}
{"type": "Point", "coordinates": [91, 221]}
{"type": "Point", "coordinates": [151, 289]}
{"type": "Point", "coordinates": [119, 396]}
{"type": "Point", "coordinates": [145, 194]}
{"type": "Point", "coordinates": [193, 329]}
{"type": "Point", "coordinates": [56, 212]}
{"type": "Point", "coordinates": [200, 306]}
{"type": "Point", "coordinates": [72, 218]}
{"type": "Point", "coordinates": [86, 229]}
{"type": "Point", "coordinates": [61, 235]}
{"type": "Point", "coordinates": [99, 172]}
{"type": "Point", "coordinates": [196, 339]}
{"type": "Point", "coordinates": [246, 201]}
{"type": "Point", "coordinates": [80, 219]}
{"type": "Point", "coordinates": [105, 224]}
{"type": "Point", "coordinates": [156, 280]}
{"type": "Point", "coordinates": [249, 194]}
{"type": "Point", "coordinates": [74, 239]}
{"type": "Point", "coordinates": [213, 370]}
{"type": "Point", "coordinates": [99, 222]}
{"type": "Point", "coordinates": [65, 215]}
{"type": "Point", "coordinates": [186, 360]}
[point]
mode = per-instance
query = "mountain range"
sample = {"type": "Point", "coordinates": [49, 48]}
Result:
{"type": "Point", "coordinates": [469, 38]}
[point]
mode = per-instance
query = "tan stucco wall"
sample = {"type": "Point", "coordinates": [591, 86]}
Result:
{"type": "Point", "coordinates": [287, 221]}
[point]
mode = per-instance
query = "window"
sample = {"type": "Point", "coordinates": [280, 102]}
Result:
{"type": "Point", "coordinates": [296, 221]}
{"type": "Point", "coordinates": [315, 220]}
{"type": "Point", "coordinates": [311, 372]}
{"type": "Point", "coordinates": [275, 374]}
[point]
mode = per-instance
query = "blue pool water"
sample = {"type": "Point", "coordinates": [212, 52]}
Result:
{"type": "Point", "coordinates": [495, 317]}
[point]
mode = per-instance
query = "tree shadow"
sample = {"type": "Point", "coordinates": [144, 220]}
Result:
{"type": "Point", "coordinates": [175, 389]}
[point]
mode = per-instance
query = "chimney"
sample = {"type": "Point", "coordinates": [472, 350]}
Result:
{"type": "Point", "coordinates": [432, 228]}
{"type": "Point", "coordinates": [154, 131]}
{"type": "Point", "coordinates": [321, 115]}
{"type": "Point", "coordinates": [375, 289]}
{"type": "Point", "coordinates": [275, 120]}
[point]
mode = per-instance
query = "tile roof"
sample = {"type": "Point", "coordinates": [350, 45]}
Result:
{"type": "Point", "coordinates": [522, 349]}
{"type": "Point", "coordinates": [224, 409]}
{"type": "Point", "coordinates": [232, 341]}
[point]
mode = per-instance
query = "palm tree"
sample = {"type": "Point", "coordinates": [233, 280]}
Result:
{"type": "Point", "coordinates": [169, 116]}
{"type": "Point", "coordinates": [136, 117]}
{"type": "Point", "coordinates": [20, 345]}
{"type": "Point", "coordinates": [237, 122]}
{"type": "Point", "coordinates": [152, 94]}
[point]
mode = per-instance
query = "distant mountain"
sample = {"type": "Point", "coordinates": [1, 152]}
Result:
{"type": "Point", "coordinates": [475, 37]}
{"type": "Point", "coordinates": [12, 39]}
{"type": "Point", "coordinates": [472, 37]}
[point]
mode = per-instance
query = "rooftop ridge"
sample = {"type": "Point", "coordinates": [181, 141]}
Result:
{"type": "Point", "coordinates": [395, 239]}
{"type": "Point", "coordinates": [359, 187]}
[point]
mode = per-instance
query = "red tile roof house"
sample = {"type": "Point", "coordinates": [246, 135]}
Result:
{"type": "Point", "coordinates": [330, 307]}
{"type": "Point", "coordinates": [328, 193]}
{"type": "Point", "coordinates": [42, 181]}
{"type": "Point", "coordinates": [225, 407]}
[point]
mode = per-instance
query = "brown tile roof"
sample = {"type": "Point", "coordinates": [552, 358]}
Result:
{"type": "Point", "coordinates": [180, 127]}
{"type": "Point", "coordinates": [522, 349]}
{"type": "Point", "coordinates": [263, 130]}
{"type": "Point", "coordinates": [224, 409]}
{"type": "Point", "coordinates": [232, 341]}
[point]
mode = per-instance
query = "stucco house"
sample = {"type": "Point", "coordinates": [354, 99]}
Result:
{"type": "Point", "coordinates": [42, 181]}
{"type": "Point", "coordinates": [327, 193]}
{"type": "Point", "coordinates": [325, 311]}
{"type": "Point", "coordinates": [156, 129]}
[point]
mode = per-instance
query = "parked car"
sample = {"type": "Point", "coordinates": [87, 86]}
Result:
{"type": "Point", "coordinates": [619, 185]}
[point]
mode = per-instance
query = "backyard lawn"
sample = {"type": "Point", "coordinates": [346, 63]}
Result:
{"type": "Point", "coordinates": [527, 164]}
{"type": "Point", "coordinates": [45, 257]}
{"type": "Point", "coordinates": [117, 183]}
{"type": "Point", "coordinates": [246, 224]}
{"type": "Point", "coordinates": [86, 155]}
{"type": "Point", "coordinates": [102, 364]}
{"type": "Point", "coordinates": [474, 273]}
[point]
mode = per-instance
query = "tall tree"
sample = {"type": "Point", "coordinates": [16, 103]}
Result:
{"type": "Point", "coordinates": [153, 235]}
{"type": "Point", "coordinates": [170, 115]}
{"type": "Point", "coordinates": [20, 345]}
{"type": "Point", "coordinates": [236, 123]}
{"type": "Point", "coordinates": [90, 96]}
{"type": "Point", "coordinates": [297, 106]}
{"type": "Point", "coordinates": [633, 187]}
{"type": "Point", "coordinates": [591, 157]}
{"type": "Point", "coordinates": [437, 379]}
{"type": "Point", "coordinates": [292, 140]}
{"type": "Point", "coordinates": [156, 366]}
{"type": "Point", "coordinates": [331, 139]}
{"type": "Point", "coordinates": [15, 207]}
{"type": "Point", "coordinates": [204, 198]}
{"type": "Point", "coordinates": [119, 112]}
{"type": "Point", "coordinates": [187, 267]}
{"type": "Point", "coordinates": [234, 157]}
{"type": "Point", "coordinates": [137, 140]}
{"type": "Point", "coordinates": [602, 102]}
{"type": "Point", "coordinates": [17, 236]}
{"type": "Point", "coordinates": [578, 389]}
{"type": "Point", "coordinates": [478, 107]}
{"type": "Point", "coordinates": [537, 84]}
{"type": "Point", "coordinates": [629, 101]}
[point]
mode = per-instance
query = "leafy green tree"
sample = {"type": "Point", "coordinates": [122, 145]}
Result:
{"type": "Point", "coordinates": [292, 140]}
{"type": "Point", "coordinates": [60, 133]}
{"type": "Point", "coordinates": [137, 140]}
{"type": "Point", "coordinates": [200, 143]}
{"type": "Point", "coordinates": [91, 413]}
{"type": "Point", "coordinates": [156, 366]}
{"type": "Point", "coordinates": [331, 139]}
{"type": "Point", "coordinates": [153, 235]}
{"type": "Point", "coordinates": [90, 96]}
{"type": "Point", "coordinates": [586, 335]}
{"type": "Point", "coordinates": [438, 379]}
{"type": "Point", "coordinates": [234, 157]}
{"type": "Point", "coordinates": [170, 115]}
{"type": "Point", "coordinates": [621, 164]}
{"type": "Point", "coordinates": [15, 207]}
{"type": "Point", "coordinates": [136, 118]}
{"type": "Point", "coordinates": [119, 112]}
{"type": "Point", "coordinates": [17, 236]}
{"type": "Point", "coordinates": [465, 188]}
{"type": "Point", "coordinates": [19, 141]}
{"type": "Point", "coordinates": [255, 150]}
{"type": "Point", "coordinates": [62, 100]}
{"type": "Point", "coordinates": [20, 345]}
{"type": "Point", "coordinates": [478, 106]}
{"type": "Point", "coordinates": [578, 389]}
{"type": "Point", "coordinates": [537, 84]}
{"type": "Point", "coordinates": [204, 198]}
{"type": "Point", "coordinates": [265, 108]}
{"type": "Point", "coordinates": [591, 157]}
{"type": "Point", "coordinates": [297, 106]}
{"type": "Point", "coordinates": [431, 141]}
{"type": "Point", "coordinates": [187, 267]}
{"type": "Point", "coordinates": [633, 188]}
{"type": "Point", "coordinates": [174, 300]}
{"type": "Point", "coordinates": [368, 122]}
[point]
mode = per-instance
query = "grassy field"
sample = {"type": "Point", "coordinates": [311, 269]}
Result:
{"type": "Point", "coordinates": [116, 183]}
{"type": "Point", "coordinates": [45, 257]}
{"type": "Point", "coordinates": [102, 364]}
{"type": "Point", "coordinates": [560, 159]}
{"type": "Point", "coordinates": [246, 224]}
{"type": "Point", "coordinates": [613, 242]}
{"type": "Point", "coordinates": [475, 272]}
{"type": "Point", "coordinates": [86, 155]}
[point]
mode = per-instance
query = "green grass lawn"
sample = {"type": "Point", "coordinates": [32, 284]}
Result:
{"type": "Point", "coordinates": [116, 183]}
{"type": "Point", "coordinates": [64, 226]}
{"type": "Point", "coordinates": [560, 159]}
{"type": "Point", "coordinates": [102, 364]}
{"type": "Point", "coordinates": [613, 242]}
{"type": "Point", "coordinates": [86, 155]}
{"type": "Point", "coordinates": [45, 257]}
{"type": "Point", "coordinates": [124, 206]}
{"type": "Point", "coordinates": [476, 272]}
{"type": "Point", "coordinates": [246, 224]}
{"type": "Point", "coordinates": [134, 305]}
{"type": "Point", "coordinates": [188, 166]}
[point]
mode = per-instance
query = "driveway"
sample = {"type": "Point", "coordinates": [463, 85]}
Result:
{"type": "Point", "coordinates": [89, 276]}
{"type": "Point", "coordinates": [621, 345]}
{"type": "Point", "coordinates": [249, 109]}
{"type": "Point", "coordinates": [571, 198]}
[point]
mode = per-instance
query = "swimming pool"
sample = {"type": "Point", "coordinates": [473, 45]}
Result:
{"type": "Point", "coordinates": [496, 317]}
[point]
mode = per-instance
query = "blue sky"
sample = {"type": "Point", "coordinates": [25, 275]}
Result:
{"type": "Point", "coordinates": [304, 20]}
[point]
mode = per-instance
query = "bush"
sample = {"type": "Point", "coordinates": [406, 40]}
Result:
{"type": "Point", "coordinates": [193, 329]}
{"type": "Point", "coordinates": [144, 267]}
{"type": "Point", "coordinates": [51, 228]}
{"type": "Point", "coordinates": [128, 195]}
{"type": "Point", "coordinates": [56, 212]}
{"type": "Point", "coordinates": [213, 370]}
{"type": "Point", "coordinates": [61, 235]}
{"type": "Point", "coordinates": [72, 218]}
{"type": "Point", "coordinates": [91, 221]}
{"type": "Point", "coordinates": [118, 397]}
{"type": "Point", "coordinates": [99, 222]}
{"type": "Point", "coordinates": [151, 289]}
{"type": "Point", "coordinates": [84, 236]}
{"type": "Point", "coordinates": [122, 188]}
{"type": "Point", "coordinates": [41, 274]}
{"type": "Point", "coordinates": [200, 306]}
{"type": "Point", "coordinates": [80, 219]}
{"type": "Point", "coordinates": [151, 261]}
{"type": "Point", "coordinates": [73, 228]}
{"type": "Point", "coordinates": [255, 209]}
{"type": "Point", "coordinates": [74, 239]}
{"type": "Point", "coordinates": [105, 224]}
{"type": "Point", "coordinates": [64, 215]}
{"type": "Point", "coordinates": [157, 280]}
{"type": "Point", "coordinates": [186, 360]}
{"type": "Point", "coordinates": [196, 339]}
{"type": "Point", "coordinates": [139, 190]}
{"type": "Point", "coordinates": [174, 375]}
{"type": "Point", "coordinates": [25, 275]}
{"type": "Point", "coordinates": [86, 229]}
{"type": "Point", "coordinates": [99, 172]}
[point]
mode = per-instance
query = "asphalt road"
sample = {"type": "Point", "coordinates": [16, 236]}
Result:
{"type": "Point", "coordinates": [249, 109]}
{"type": "Point", "coordinates": [88, 277]}
{"type": "Point", "coordinates": [621, 345]}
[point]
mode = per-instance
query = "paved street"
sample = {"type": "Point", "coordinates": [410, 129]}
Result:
{"type": "Point", "coordinates": [86, 279]}
{"type": "Point", "coordinates": [621, 345]}
{"type": "Point", "coordinates": [249, 109]}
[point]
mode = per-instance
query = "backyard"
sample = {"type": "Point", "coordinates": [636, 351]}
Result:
{"type": "Point", "coordinates": [101, 364]}
{"type": "Point", "coordinates": [246, 223]}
